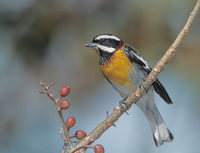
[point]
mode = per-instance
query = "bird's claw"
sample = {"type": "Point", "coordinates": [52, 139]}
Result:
{"type": "Point", "coordinates": [121, 103]}
{"type": "Point", "coordinates": [143, 86]}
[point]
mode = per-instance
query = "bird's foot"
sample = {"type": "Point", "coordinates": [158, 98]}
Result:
{"type": "Point", "coordinates": [122, 103]}
{"type": "Point", "coordinates": [144, 87]}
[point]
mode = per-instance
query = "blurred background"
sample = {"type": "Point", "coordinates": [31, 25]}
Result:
{"type": "Point", "coordinates": [44, 40]}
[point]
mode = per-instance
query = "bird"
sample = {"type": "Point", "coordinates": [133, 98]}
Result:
{"type": "Point", "coordinates": [125, 69]}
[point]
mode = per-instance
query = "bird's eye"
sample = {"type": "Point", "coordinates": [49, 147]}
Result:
{"type": "Point", "coordinates": [103, 40]}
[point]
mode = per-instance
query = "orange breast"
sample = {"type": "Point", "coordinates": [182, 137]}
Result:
{"type": "Point", "coordinates": [118, 69]}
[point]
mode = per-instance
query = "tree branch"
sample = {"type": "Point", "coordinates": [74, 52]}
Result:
{"type": "Point", "coordinates": [102, 127]}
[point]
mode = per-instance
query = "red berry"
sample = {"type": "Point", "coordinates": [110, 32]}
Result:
{"type": "Point", "coordinates": [80, 134]}
{"type": "Point", "coordinates": [64, 91]}
{"type": "Point", "coordinates": [98, 149]}
{"type": "Point", "coordinates": [70, 122]}
{"type": "Point", "coordinates": [64, 104]}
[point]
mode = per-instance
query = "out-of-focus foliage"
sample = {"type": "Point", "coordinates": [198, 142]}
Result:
{"type": "Point", "coordinates": [44, 40]}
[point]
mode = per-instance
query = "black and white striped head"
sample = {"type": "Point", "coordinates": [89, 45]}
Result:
{"type": "Point", "coordinates": [105, 43]}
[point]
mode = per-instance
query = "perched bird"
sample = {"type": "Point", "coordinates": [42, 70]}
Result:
{"type": "Point", "coordinates": [125, 69]}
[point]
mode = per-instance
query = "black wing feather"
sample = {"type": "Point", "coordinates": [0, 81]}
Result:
{"type": "Point", "coordinates": [135, 57]}
{"type": "Point", "coordinates": [160, 89]}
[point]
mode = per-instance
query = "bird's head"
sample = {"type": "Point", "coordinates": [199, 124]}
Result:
{"type": "Point", "coordinates": [105, 44]}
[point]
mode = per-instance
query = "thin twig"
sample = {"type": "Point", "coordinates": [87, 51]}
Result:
{"type": "Point", "coordinates": [64, 147]}
{"type": "Point", "coordinates": [47, 91]}
{"type": "Point", "coordinates": [61, 134]}
{"type": "Point", "coordinates": [56, 102]}
{"type": "Point", "coordinates": [66, 130]}
{"type": "Point", "coordinates": [102, 127]}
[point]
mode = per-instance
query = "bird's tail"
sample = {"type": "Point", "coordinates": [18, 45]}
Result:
{"type": "Point", "coordinates": [159, 129]}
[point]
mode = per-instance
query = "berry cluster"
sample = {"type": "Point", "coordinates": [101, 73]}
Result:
{"type": "Point", "coordinates": [70, 121]}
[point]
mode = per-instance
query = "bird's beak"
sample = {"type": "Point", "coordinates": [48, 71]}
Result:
{"type": "Point", "coordinates": [90, 45]}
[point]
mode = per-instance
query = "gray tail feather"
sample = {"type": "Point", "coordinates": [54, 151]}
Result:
{"type": "Point", "coordinates": [159, 129]}
{"type": "Point", "coordinates": [162, 134]}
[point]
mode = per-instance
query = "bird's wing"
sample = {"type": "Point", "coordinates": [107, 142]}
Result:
{"type": "Point", "coordinates": [135, 57]}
